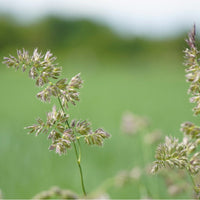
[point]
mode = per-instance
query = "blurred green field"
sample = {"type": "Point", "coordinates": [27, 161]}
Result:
{"type": "Point", "coordinates": [120, 74]}
{"type": "Point", "coordinates": [27, 167]}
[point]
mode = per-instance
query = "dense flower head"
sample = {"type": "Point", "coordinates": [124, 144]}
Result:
{"type": "Point", "coordinates": [96, 137]}
{"type": "Point", "coordinates": [190, 129]}
{"type": "Point", "coordinates": [193, 70]}
{"type": "Point", "coordinates": [177, 154]}
{"type": "Point", "coordinates": [41, 67]}
{"type": "Point", "coordinates": [83, 127]}
{"type": "Point", "coordinates": [66, 92]}
{"type": "Point", "coordinates": [56, 128]}
{"type": "Point", "coordinates": [44, 69]}
{"type": "Point", "coordinates": [170, 154]}
{"type": "Point", "coordinates": [62, 135]}
{"type": "Point", "coordinates": [75, 82]}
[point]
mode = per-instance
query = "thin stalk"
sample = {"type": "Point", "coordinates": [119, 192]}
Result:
{"type": "Point", "coordinates": [80, 169]}
{"type": "Point", "coordinates": [77, 153]}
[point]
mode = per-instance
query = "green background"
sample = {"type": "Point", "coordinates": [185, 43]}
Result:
{"type": "Point", "coordinates": [120, 74]}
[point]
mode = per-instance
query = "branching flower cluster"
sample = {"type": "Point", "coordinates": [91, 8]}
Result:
{"type": "Point", "coordinates": [62, 131]}
{"type": "Point", "coordinates": [44, 70]}
{"type": "Point", "coordinates": [177, 154]}
{"type": "Point", "coordinates": [185, 154]}
{"type": "Point", "coordinates": [63, 135]}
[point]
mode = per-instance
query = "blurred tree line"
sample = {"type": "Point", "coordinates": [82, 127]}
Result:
{"type": "Point", "coordinates": [82, 37]}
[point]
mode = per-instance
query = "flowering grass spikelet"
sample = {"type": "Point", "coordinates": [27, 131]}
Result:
{"type": "Point", "coordinates": [96, 137]}
{"type": "Point", "coordinates": [170, 154]}
{"type": "Point", "coordinates": [83, 127]}
{"type": "Point", "coordinates": [57, 126]}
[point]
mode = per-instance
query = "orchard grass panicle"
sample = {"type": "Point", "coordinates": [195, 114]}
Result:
{"type": "Point", "coordinates": [185, 154]}
{"type": "Point", "coordinates": [63, 132]}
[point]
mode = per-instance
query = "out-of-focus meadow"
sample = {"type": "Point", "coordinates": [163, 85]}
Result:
{"type": "Point", "coordinates": [120, 74]}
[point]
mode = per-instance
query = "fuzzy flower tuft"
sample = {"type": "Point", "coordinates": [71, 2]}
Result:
{"type": "Point", "coordinates": [193, 70]}
{"type": "Point", "coordinates": [96, 137]}
{"type": "Point", "coordinates": [55, 126]}
{"type": "Point", "coordinates": [170, 154]}
{"type": "Point", "coordinates": [41, 67]}
{"type": "Point", "coordinates": [190, 129]}
{"type": "Point", "coordinates": [44, 70]}
{"type": "Point", "coordinates": [83, 127]}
